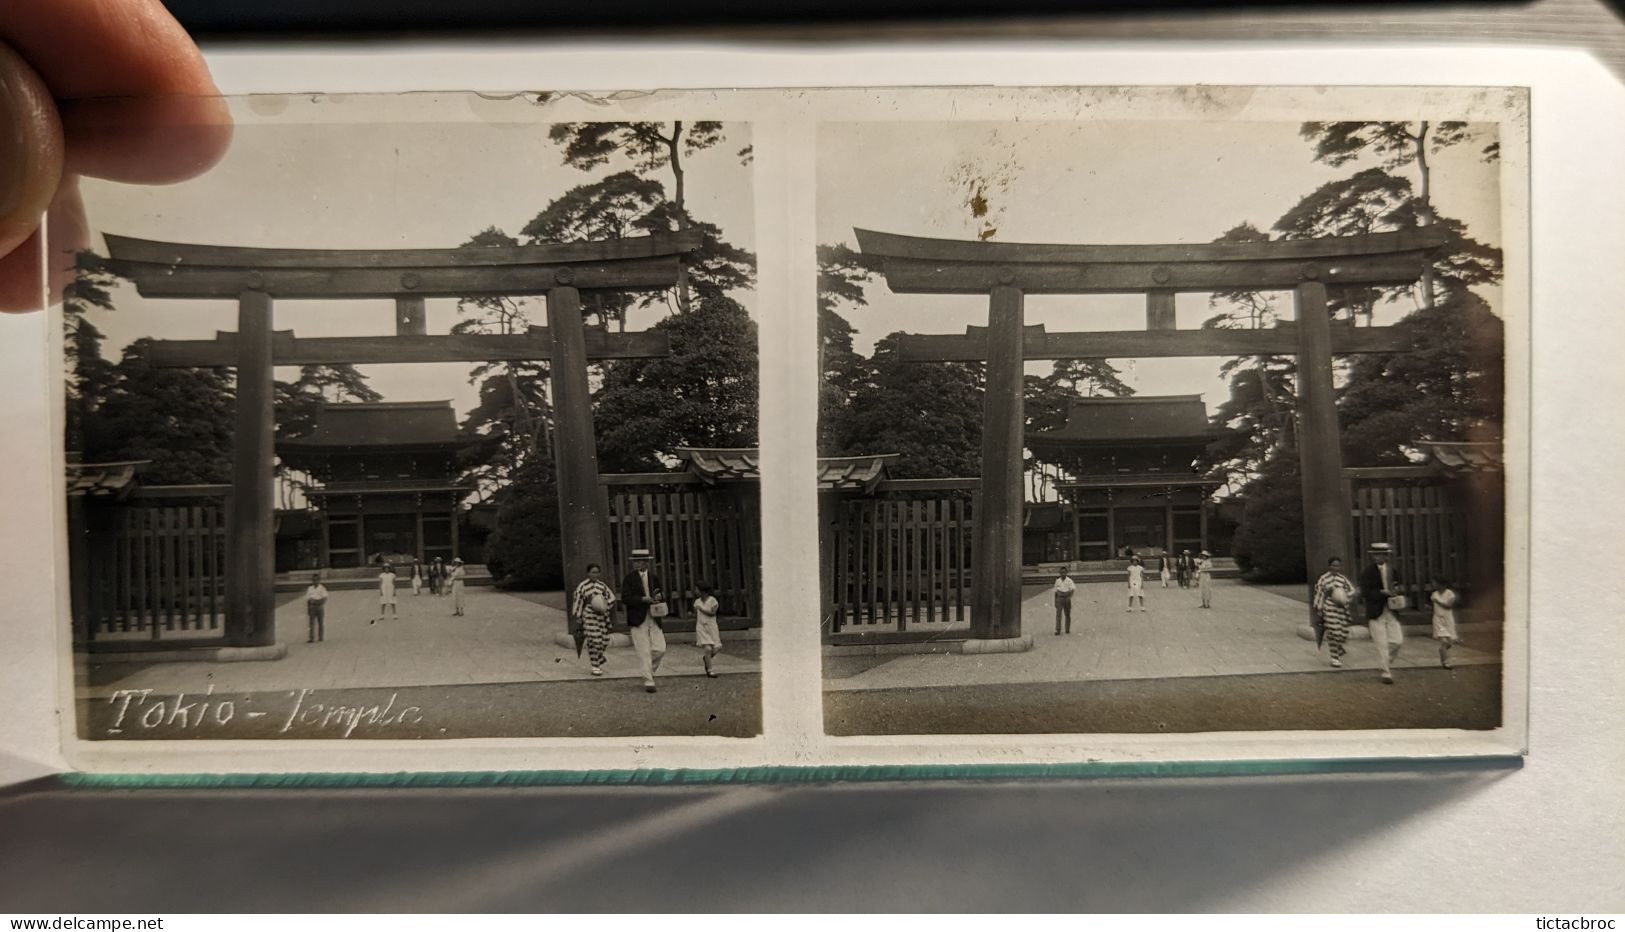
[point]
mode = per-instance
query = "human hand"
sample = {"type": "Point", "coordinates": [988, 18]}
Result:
{"type": "Point", "coordinates": [110, 88]}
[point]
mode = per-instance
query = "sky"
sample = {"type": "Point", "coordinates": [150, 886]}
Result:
{"type": "Point", "coordinates": [1100, 182]}
{"type": "Point", "coordinates": [376, 186]}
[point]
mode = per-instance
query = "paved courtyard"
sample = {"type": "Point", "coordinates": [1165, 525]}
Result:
{"type": "Point", "coordinates": [503, 638]}
{"type": "Point", "coordinates": [1249, 630]}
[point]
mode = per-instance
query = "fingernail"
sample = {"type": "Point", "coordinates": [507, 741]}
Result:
{"type": "Point", "coordinates": [30, 149]}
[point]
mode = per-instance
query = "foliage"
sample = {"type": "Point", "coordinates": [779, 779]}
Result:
{"type": "Point", "coordinates": [1268, 546]}
{"type": "Point", "coordinates": [299, 402]}
{"type": "Point", "coordinates": [526, 551]}
{"type": "Point", "coordinates": [1394, 144]}
{"type": "Point", "coordinates": [930, 412]}
{"type": "Point", "coordinates": [648, 145]}
{"type": "Point", "coordinates": [182, 420]}
{"type": "Point", "coordinates": [842, 275]}
{"type": "Point", "coordinates": [702, 395]}
{"type": "Point", "coordinates": [1449, 385]}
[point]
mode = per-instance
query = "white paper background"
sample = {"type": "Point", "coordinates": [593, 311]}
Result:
{"type": "Point", "coordinates": [1560, 815]}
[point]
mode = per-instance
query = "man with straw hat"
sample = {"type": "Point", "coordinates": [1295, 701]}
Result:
{"type": "Point", "coordinates": [645, 601]}
{"type": "Point", "coordinates": [1379, 589]}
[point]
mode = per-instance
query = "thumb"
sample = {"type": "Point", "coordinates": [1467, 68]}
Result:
{"type": "Point", "coordinates": [30, 150]}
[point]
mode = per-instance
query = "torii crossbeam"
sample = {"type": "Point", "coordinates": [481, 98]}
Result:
{"type": "Point", "coordinates": [254, 276]}
{"type": "Point", "coordinates": [1006, 272]}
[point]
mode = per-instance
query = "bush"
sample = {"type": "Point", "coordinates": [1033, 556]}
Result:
{"type": "Point", "coordinates": [1268, 545]}
{"type": "Point", "coordinates": [526, 551]}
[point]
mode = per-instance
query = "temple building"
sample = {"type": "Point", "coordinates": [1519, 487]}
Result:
{"type": "Point", "coordinates": [384, 483]}
{"type": "Point", "coordinates": [1124, 472]}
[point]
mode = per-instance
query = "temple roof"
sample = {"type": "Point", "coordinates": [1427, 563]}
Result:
{"type": "Point", "coordinates": [114, 479]}
{"type": "Point", "coordinates": [744, 464]}
{"type": "Point", "coordinates": [1463, 457]}
{"type": "Point", "coordinates": [379, 424]}
{"type": "Point", "coordinates": [1139, 418]}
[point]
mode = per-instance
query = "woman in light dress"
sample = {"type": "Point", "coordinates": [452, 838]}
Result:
{"type": "Point", "coordinates": [1204, 578]}
{"type": "Point", "coordinates": [707, 634]}
{"type": "Point", "coordinates": [456, 574]}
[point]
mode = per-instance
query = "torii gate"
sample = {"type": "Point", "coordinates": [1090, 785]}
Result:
{"type": "Point", "coordinates": [1006, 272]}
{"type": "Point", "coordinates": [255, 276]}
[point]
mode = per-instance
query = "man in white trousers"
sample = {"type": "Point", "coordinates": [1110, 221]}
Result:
{"type": "Point", "coordinates": [645, 601]}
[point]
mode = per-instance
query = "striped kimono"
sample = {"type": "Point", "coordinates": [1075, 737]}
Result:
{"type": "Point", "coordinates": [1334, 615]}
{"type": "Point", "coordinates": [594, 624]}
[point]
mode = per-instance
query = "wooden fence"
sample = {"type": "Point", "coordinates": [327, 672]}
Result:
{"type": "Point", "coordinates": [901, 559]}
{"type": "Point", "coordinates": [153, 568]}
{"type": "Point", "coordinates": [694, 534]}
{"type": "Point", "coordinates": [1426, 528]}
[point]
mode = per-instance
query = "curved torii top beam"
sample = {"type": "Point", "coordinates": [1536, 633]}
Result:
{"type": "Point", "coordinates": [924, 265]}
{"type": "Point", "coordinates": [191, 270]}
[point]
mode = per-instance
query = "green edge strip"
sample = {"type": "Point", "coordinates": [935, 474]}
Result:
{"type": "Point", "coordinates": [783, 775]}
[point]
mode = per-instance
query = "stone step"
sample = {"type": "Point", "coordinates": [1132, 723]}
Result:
{"type": "Point", "coordinates": [366, 577]}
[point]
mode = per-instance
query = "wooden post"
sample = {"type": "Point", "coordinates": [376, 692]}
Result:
{"type": "Point", "coordinates": [327, 539]}
{"type": "Point", "coordinates": [455, 549]}
{"type": "Point", "coordinates": [1201, 514]}
{"type": "Point", "coordinates": [411, 320]}
{"type": "Point", "coordinates": [360, 533]}
{"type": "Point", "coordinates": [1168, 521]}
{"type": "Point", "coordinates": [574, 447]}
{"type": "Point", "coordinates": [417, 516]}
{"type": "Point", "coordinates": [1159, 309]}
{"type": "Point", "coordinates": [250, 600]}
{"type": "Point", "coordinates": [1326, 525]}
{"type": "Point", "coordinates": [996, 574]}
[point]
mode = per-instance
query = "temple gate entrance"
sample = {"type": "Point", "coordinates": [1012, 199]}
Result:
{"type": "Point", "coordinates": [1007, 272]}
{"type": "Point", "coordinates": [256, 276]}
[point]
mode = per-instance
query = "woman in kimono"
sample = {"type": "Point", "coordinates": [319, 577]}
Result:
{"type": "Point", "coordinates": [1334, 592]}
{"type": "Point", "coordinates": [591, 605]}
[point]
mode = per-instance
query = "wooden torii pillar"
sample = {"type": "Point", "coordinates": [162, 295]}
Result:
{"type": "Point", "coordinates": [254, 277]}
{"type": "Point", "coordinates": [1007, 272]}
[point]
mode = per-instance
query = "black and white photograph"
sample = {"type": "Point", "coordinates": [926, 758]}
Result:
{"type": "Point", "coordinates": [392, 428]}
{"type": "Point", "coordinates": [1166, 425]}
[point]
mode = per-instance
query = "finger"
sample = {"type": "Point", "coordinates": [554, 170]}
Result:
{"type": "Point", "coordinates": [131, 49]}
{"type": "Point", "coordinates": [30, 153]}
{"type": "Point", "coordinates": [68, 233]}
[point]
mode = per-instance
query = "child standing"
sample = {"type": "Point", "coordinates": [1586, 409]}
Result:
{"type": "Point", "coordinates": [1444, 619]}
{"type": "Point", "coordinates": [316, 609]}
{"type": "Point", "coordinates": [386, 594]}
{"type": "Point", "coordinates": [707, 636]}
{"type": "Point", "coordinates": [1136, 583]}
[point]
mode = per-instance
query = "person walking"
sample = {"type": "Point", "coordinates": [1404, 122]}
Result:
{"type": "Point", "coordinates": [1204, 578]}
{"type": "Point", "coordinates": [456, 574]}
{"type": "Point", "coordinates": [417, 577]}
{"type": "Point", "coordinates": [645, 602]}
{"type": "Point", "coordinates": [386, 594]}
{"type": "Point", "coordinates": [1136, 583]}
{"type": "Point", "coordinates": [1379, 589]}
{"type": "Point", "coordinates": [1182, 567]}
{"type": "Point", "coordinates": [1164, 567]}
{"type": "Point", "coordinates": [437, 576]}
{"type": "Point", "coordinates": [591, 605]}
{"type": "Point", "coordinates": [316, 609]}
{"type": "Point", "coordinates": [1333, 595]}
{"type": "Point", "coordinates": [1064, 587]}
{"type": "Point", "coordinates": [707, 633]}
{"type": "Point", "coordinates": [1444, 618]}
